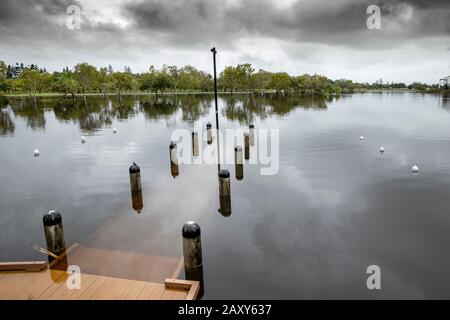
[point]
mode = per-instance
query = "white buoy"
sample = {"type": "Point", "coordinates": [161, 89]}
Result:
{"type": "Point", "coordinates": [415, 169]}
{"type": "Point", "coordinates": [361, 138]}
{"type": "Point", "coordinates": [36, 152]}
{"type": "Point", "coordinates": [381, 149]}
{"type": "Point", "coordinates": [114, 130]}
{"type": "Point", "coordinates": [83, 139]}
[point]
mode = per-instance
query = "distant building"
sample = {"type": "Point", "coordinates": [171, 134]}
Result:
{"type": "Point", "coordinates": [443, 82]}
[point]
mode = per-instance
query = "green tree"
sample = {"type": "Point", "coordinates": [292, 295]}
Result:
{"type": "Point", "coordinates": [104, 81]}
{"type": "Point", "coordinates": [121, 81]}
{"type": "Point", "coordinates": [280, 81]}
{"type": "Point", "coordinates": [32, 81]}
{"type": "Point", "coordinates": [64, 82]}
{"type": "Point", "coordinates": [162, 82]}
{"type": "Point", "coordinates": [3, 70]}
{"type": "Point", "coordinates": [231, 78]}
{"type": "Point", "coordinates": [86, 75]}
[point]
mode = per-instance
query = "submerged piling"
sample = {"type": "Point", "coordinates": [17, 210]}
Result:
{"type": "Point", "coordinates": [192, 252]}
{"type": "Point", "coordinates": [251, 129]}
{"type": "Point", "coordinates": [54, 232]}
{"type": "Point", "coordinates": [135, 177]}
{"type": "Point", "coordinates": [54, 238]}
{"type": "Point", "coordinates": [173, 152]}
{"type": "Point", "coordinates": [209, 132]}
{"type": "Point", "coordinates": [225, 192]}
{"type": "Point", "coordinates": [136, 188]}
{"type": "Point", "coordinates": [173, 155]}
{"type": "Point", "coordinates": [195, 151]}
{"type": "Point", "coordinates": [238, 163]}
{"type": "Point", "coordinates": [247, 145]}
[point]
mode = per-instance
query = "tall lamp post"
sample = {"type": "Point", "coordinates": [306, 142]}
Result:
{"type": "Point", "coordinates": [213, 50]}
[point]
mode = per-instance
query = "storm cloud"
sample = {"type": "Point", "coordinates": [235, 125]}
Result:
{"type": "Point", "coordinates": [328, 37]}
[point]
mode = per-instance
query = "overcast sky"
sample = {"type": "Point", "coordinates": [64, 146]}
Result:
{"type": "Point", "coordinates": [328, 37]}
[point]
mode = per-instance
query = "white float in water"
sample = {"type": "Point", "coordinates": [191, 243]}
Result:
{"type": "Point", "coordinates": [83, 139]}
{"type": "Point", "coordinates": [415, 169]}
{"type": "Point", "coordinates": [114, 130]}
{"type": "Point", "coordinates": [361, 138]}
{"type": "Point", "coordinates": [381, 149]}
{"type": "Point", "coordinates": [36, 152]}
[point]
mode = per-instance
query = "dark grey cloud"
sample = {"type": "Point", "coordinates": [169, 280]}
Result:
{"type": "Point", "coordinates": [295, 36]}
{"type": "Point", "coordinates": [308, 21]}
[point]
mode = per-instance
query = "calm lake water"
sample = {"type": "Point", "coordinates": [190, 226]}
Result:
{"type": "Point", "coordinates": [336, 206]}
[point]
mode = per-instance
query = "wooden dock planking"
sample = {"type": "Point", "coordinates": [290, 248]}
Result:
{"type": "Point", "coordinates": [27, 285]}
{"type": "Point", "coordinates": [106, 275]}
{"type": "Point", "coordinates": [41, 285]}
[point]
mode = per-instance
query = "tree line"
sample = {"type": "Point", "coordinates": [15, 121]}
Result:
{"type": "Point", "coordinates": [85, 79]}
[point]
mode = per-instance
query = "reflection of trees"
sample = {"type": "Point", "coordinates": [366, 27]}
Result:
{"type": "Point", "coordinates": [32, 112]}
{"type": "Point", "coordinates": [245, 108]}
{"type": "Point", "coordinates": [444, 101]}
{"type": "Point", "coordinates": [92, 114]}
{"type": "Point", "coordinates": [161, 107]}
{"type": "Point", "coordinates": [194, 106]}
{"type": "Point", "coordinates": [6, 123]}
{"type": "Point", "coordinates": [3, 102]}
{"type": "Point", "coordinates": [124, 108]}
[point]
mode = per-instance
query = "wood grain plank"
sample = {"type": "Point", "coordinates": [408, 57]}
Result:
{"type": "Point", "coordinates": [89, 292]}
{"type": "Point", "coordinates": [136, 290]}
{"type": "Point", "coordinates": [119, 290]}
{"type": "Point", "coordinates": [180, 295]}
{"type": "Point", "coordinates": [28, 285]}
{"type": "Point", "coordinates": [147, 292]}
{"type": "Point", "coordinates": [168, 294]}
{"type": "Point", "coordinates": [104, 288]}
{"type": "Point", "coordinates": [87, 281]}
{"type": "Point", "coordinates": [158, 292]}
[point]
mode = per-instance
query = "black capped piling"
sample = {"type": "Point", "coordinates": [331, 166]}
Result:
{"type": "Point", "coordinates": [192, 252]}
{"type": "Point", "coordinates": [54, 238]}
{"type": "Point", "coordinates": [135, 177]}
{"type": "Point", "coordinates": [173, 153]}
{"type": "Point", "coordinates": [251, 130]}
{"type": "Point", "coordinates": [238, 163]}
{"type": "Point", "coordinates": [54, 232]}
{"type": "Point", "coordinates": [136, 188]}
{"type": "Point", "coordinates": [225, 192]}
{"type": "Point", "coordinates": [209, 133]}
{"type": "Point", "coordinates": [195, 150]}
{"type": "Point", "coordinates": [247, 146]}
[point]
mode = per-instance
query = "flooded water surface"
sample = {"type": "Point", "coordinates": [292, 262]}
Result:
{"type": "Point", "coordinates": [335, 206]}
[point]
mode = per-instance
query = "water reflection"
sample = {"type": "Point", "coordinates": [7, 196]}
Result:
{"type": "Point", "coordinates": [245, 108]}
{"type": "Point", "coordinates": [94, 113]}
{"type": "Point", "coordinates": [32, 112]}
{"type": "Point", "coordinates": [444, 101]}
{"type": "Point", "coordinates": [7, 125]}
{"type": "Point", "coordinates": [161, 107]}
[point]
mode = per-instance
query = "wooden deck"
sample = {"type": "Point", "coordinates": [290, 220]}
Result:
{"type": "Point", "coordinates": [105, 275]}
{"type": "Point", "coordinates": [44, 285]}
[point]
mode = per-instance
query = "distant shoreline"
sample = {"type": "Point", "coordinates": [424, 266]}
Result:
{"type": "Point", "coordinates": [173, 93]}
